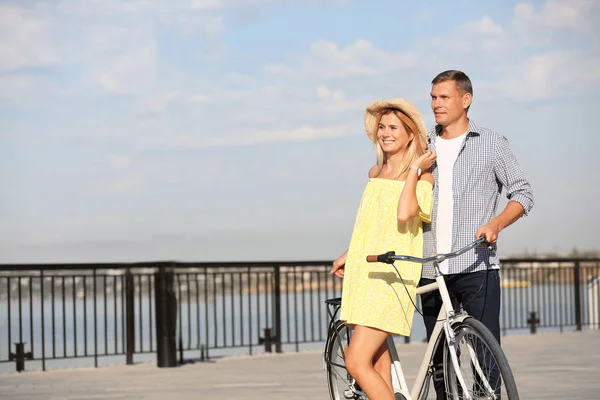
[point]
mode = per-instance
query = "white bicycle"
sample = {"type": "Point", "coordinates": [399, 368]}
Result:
{"type": "Point", "coordinates": [474, 365]}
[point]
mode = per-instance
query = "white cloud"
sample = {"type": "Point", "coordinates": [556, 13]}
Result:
{"type": "Point", "coordinates": [156, 103]}
{"type": "Point", "coordinates": [276, 69]}
{"type": "Point", "coordinates": [298, 134]}
{"type": "Point", "coordinates": [26, 41]}
{"type": "Point", "coordinates": [355, 107]}
{"type": "Point", "coordinates": [206, 5]}
{"type": "Point", "coordinates": [550, 75]}
{"type": "Point", "coordinates": [528, 59]}
{"type": "Point", "coordinates": [10, 85]}
{"type": "Point", "coordinates": [482, 27]}
{"type": "Point", "coordinates": [199, 98]}
{"type": "Point", "coordinates": [477, 41]}
{"type": "Point", "coordinates": [556, 20]}
{"type": "Point", "coordinates": [210, 26]}
{"type": "Point", "coordinates": [557, 14]}
{"type": "Point", "coordinates": [131, 72]}
{"type": "Point", "coordinates": [120, 161]}
{"type": "Point", "coordinates": [213, 26]}
{"type": "Point", "coordinates": [124, 186]}
{"type": "Point", "coordinates": [323, 92]}
{"type": "Point", "coordinates": [360, 58]}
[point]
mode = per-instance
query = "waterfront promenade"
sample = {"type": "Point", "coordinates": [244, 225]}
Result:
{"type": "Point", "coordinates": [546, 366]}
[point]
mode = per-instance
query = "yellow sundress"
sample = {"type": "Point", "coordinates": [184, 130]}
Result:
{"type": "Point", "coordinates": [373, 294]}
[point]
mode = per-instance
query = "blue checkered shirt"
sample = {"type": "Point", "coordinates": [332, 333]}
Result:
{"type": "Point", "coordinates": [485, 164]}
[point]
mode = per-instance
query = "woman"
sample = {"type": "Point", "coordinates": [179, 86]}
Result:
{"type": "Point", "coordinates": [397, 198]}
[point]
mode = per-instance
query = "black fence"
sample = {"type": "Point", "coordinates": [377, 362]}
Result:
{"type": "Point", "coordinates": [107, 313]}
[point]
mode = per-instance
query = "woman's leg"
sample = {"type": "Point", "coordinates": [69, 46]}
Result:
{"type": "Point", "coordinates": [383, 365]}
{"type": "Point", "coordinates": [366, 343]}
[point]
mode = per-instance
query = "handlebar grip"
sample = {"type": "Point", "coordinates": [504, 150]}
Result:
{"type": "Point", "coordinates": [382, 258]}
{"type": "Point", "coordinates": [484, 242]}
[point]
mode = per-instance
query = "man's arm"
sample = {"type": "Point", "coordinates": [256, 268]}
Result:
{"type": "Point", "coordinates": [512, 212]}
{"type": "Point", "coordinates": [518, 191]}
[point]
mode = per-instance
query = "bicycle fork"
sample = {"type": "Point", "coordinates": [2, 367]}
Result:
{"type": "Point", "coordinates": [451, 339]}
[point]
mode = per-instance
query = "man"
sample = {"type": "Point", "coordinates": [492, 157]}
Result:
{"type": "Point", "coordinates": [473, 165]}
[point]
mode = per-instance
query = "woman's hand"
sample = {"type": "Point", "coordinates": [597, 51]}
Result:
{"type": "Point", "coordinates": [339, 265]}
{"type": "Point", "coordinates": [426, 160]}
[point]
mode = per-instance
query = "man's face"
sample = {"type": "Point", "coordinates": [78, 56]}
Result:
{"type": "Point", "coordinates": [447, 103]}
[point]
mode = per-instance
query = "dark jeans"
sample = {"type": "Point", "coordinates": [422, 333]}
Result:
{"type": "Point", "coordinates": [478, 293]}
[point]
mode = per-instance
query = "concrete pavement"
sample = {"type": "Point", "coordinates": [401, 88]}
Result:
{"type": "Point", "coordinates": [546, 366]}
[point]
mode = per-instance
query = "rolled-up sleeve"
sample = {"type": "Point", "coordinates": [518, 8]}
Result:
{"type": "Point", "coordinates": [509, 173]}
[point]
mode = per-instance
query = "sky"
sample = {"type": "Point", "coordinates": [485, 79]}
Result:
{"type": "Point", "coordinates": [232, 130]}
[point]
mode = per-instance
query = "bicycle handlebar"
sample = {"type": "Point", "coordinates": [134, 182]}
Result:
{"type": "Point", "coordinates": [391, 256]}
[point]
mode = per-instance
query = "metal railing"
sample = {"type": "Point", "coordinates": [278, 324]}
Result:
{"type": "Point", "coordinates": [107, 312]}
{"type": "Point", "coordinates": [556, 294]}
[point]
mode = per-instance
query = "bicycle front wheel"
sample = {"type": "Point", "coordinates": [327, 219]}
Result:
{"type": "Point", "coordinates": [341, 385]}
{"type": "Point", "coordinates": [483, 366]}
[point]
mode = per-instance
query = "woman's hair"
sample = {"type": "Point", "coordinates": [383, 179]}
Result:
{"type": "Point", "coordinates": [415, 149]}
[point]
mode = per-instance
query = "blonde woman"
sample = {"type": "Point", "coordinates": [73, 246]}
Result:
{"type": "Point", "coordinates": [397, 198]}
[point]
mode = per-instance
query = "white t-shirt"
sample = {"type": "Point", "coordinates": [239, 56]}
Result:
{"type": "Point", "coordinates": [447, 151]}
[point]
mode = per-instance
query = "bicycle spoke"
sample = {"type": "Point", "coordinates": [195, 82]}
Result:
{"type": "Point", "coordinates": [482, 366]}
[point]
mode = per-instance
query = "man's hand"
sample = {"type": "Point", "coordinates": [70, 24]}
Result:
{"type": "Point", "coordinates": [490, 231]}
{"type": "Point", "coordinates": [339, 265]}
{"type": "Point", "coordinates": [512, 212]}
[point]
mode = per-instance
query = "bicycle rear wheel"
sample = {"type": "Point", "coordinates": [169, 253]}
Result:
{"type": "Point", "coordinates": [483, 365]}
{"type": "Point", "coordinates": [339, 381]}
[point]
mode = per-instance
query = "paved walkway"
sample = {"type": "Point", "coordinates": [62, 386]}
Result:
{"type": "Point", "coordinates": [546, 366]}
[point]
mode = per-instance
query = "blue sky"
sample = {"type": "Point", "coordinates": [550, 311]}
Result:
{"type": "Point", "coordinates": [233, 130]}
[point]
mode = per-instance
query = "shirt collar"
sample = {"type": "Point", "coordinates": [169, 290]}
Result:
{"type": "Point", "coordinates": [435, 132]}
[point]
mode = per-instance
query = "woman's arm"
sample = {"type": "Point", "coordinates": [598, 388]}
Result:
{"type": "Point", "coordinates": [408, 205]}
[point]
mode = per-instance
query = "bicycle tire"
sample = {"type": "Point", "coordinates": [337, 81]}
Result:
{"type": "Point", "coordinates": [479, 360]}
{"type": "Point", "coordinates": [338, 378]}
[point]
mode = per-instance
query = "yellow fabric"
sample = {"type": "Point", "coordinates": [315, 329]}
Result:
{"type": "Point", "coordinates": [373, 294]}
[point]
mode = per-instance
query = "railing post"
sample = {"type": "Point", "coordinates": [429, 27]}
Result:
{"type": "Point", "coordinates": [130, 315]}
{"type": "Point", "coordinates": [277, 308]}
{"type": "Point", "coordinates": [267, 340]}
{"type": "Point", "coordinates": [19, 356]}
{"type": "Point", "coordinates": [577, 291]}
{"type": "Point", "coordinates": [166, 318]}
{"type": "Point", "coordinates": [533, 322]}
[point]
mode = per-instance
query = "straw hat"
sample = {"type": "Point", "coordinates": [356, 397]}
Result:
{"type": "Point", "coordinates": [399, 104]}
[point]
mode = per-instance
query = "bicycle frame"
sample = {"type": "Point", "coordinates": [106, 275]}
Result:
{"type": "Point", "coordinates": [446, 318]}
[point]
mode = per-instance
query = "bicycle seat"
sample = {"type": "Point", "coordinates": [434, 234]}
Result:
{"type": "Point", "coordinates": [334, 302]}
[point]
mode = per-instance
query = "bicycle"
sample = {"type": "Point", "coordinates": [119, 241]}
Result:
{"type": "Point", "coordinates": [474, 364]}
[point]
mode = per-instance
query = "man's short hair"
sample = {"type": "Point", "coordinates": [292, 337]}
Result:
{"type": "Point", "coordinates": [463, 83]}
